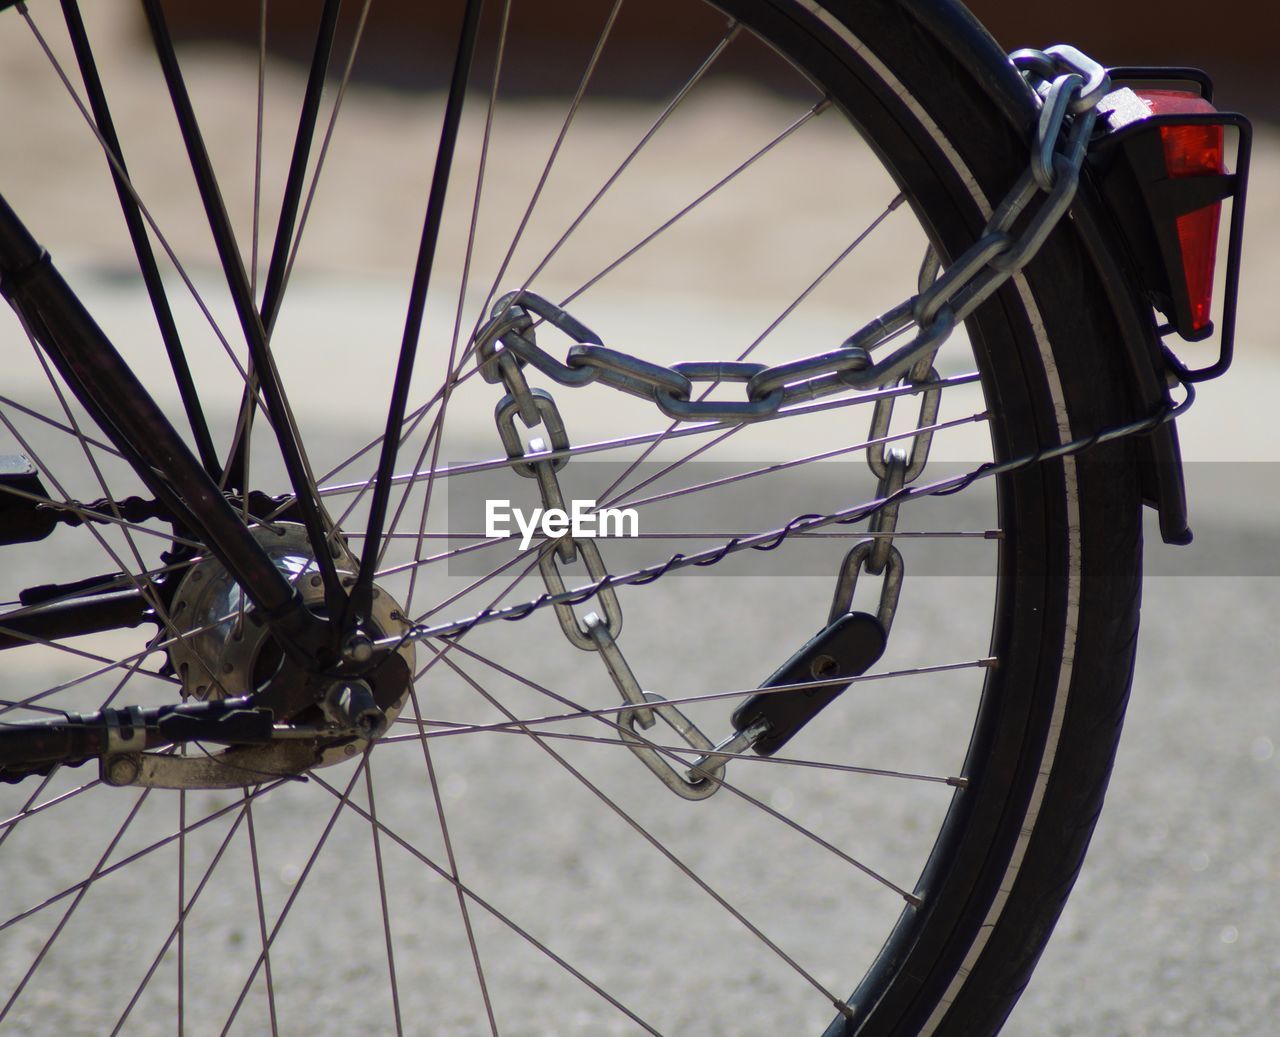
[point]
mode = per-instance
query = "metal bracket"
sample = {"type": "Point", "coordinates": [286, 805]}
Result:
{"type": "Point", "coordinates": [236, 768]}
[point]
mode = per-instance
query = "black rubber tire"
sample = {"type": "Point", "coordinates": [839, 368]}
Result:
{"type": "Point", "coordinates": [920, 80]}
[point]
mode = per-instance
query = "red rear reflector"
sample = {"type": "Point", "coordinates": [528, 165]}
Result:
{"type": "Point", "coordinates": [1195, 150]}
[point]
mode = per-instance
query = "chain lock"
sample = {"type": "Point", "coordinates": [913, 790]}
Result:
{"type": "Point", "coordinates": [1069, 86]}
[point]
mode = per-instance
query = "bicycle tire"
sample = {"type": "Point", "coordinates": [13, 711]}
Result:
{"type": "Point", "coordinates": [929, 92]}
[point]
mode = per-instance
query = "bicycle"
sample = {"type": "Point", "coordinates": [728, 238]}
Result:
{"type": "Point", "coordinates": [303, 632]}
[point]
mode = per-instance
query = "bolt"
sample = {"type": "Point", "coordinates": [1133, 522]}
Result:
{"type": "Point", "coordinates": [120, 770]}
{"type": "Point", "coordinates": [358, 649]}
{"type": "Point", "coordinates": [348, 750]}
{"type": "Point", "coordinates": [823, 667]}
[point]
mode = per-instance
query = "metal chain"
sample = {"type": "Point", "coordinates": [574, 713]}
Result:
{"type": "Point", "coordinates": [536, 408]}
{"type": "Point", "coordinates": [1069, 85]}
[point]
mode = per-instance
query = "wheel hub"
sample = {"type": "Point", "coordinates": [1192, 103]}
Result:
{"type": "Point", "coordinates": [224, 649]}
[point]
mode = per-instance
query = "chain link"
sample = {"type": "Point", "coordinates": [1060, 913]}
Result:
{"type": "Point", "coordinates": [943, 301]}
{"type": "Point", "coordinates": [1069, 86]}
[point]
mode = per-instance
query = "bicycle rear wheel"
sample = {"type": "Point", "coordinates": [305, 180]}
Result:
{"type": "Point", "coordinates": [496, 860]}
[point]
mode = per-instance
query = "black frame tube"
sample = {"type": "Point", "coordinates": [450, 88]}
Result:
{"type": "Point", "coordinates": [103, 382]}
{"type": "Point", "coordinates": [246, 310]}
{"type": "Point", "coordinates": [138, 234]}
{"type": "Point", "coordinates": [273, 288]}
{"type": "Point", "coordinates": [361, 594]}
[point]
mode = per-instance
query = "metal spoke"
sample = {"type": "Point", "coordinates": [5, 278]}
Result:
{"type": "Point", "coordinates": [138, 234]}
{"type": "Point", "coordinates": [681, 700]}
{"type": "Point", "coordinates": [83, 890]}
{"type": "Point", "coordinates": [642, 439]}
{"type": "Point", "coordinates": [175, 933]}
{"type": "Point", "coordinates": [323, 153]}
{"type": "Point", "coordinates": [260, 114]}
{"type": "Point", "coordinates": [360, 600]}
{"type": "Point", "coordinates": [169, 252]}
{"type": "Point", "coordinates": [662, 849]}
{"type": "Point", "coordinates": [27, 809]}
{"type": "Point", "coordinates": [730, 33]}
{"type": "Point", "coordinates": [10, 823]}
{"type": "Point", "coordinates": [485, 906]}
{"type": "Point", "coordinates": [676, 751]}
{"type": "Point", "coordinates": [382, 897]}
{"type": "Point", "coordinates": [714, 189]}
{"type": "Point", "coordinates": [435, 437]}
{"type": "Point", "coordinates": [624, 497]}
{"type": "Point", "coordinates": [262, 913]}
{"type": "Point", "coordinates": [574, 104]}
{"type": "Point", "coordinates": [454, 875]}
{"type": "Point", "coordinates": [180, 929]}
{"type": "Point", "coordinates": [281, 254]}
{"type": "Point", "coordinates": [133, 858]}
{"type": "Point", "coordinates": [293, 895]}
{"type": "Point", "coordinates": [871, 873]}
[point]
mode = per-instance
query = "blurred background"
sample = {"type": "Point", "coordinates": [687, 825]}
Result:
{"type": "Point", "coordinates": [1230, 38]}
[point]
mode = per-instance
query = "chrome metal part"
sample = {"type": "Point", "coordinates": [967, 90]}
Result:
{"type": "Point", "coordinates": [577, 633]}
{"type": "Point", "coordinates": [847, 583]}
{"type": "Point", "coordinates": [1071, 89]}
{"type": "Point", "coordinates": [708, 777]}
{"type": "Point", "coordinates": [224, 649]}
{"type": "Point", "coordinates": [351, 705]}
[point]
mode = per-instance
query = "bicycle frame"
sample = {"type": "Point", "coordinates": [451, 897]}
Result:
{"type": "Point", "coordinates": [103, 382]}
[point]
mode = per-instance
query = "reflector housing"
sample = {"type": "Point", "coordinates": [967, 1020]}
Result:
{"type": "Point", "coordinates": [1163, 169]}
{"type": "Point", "coordinates": [1193, 150]}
